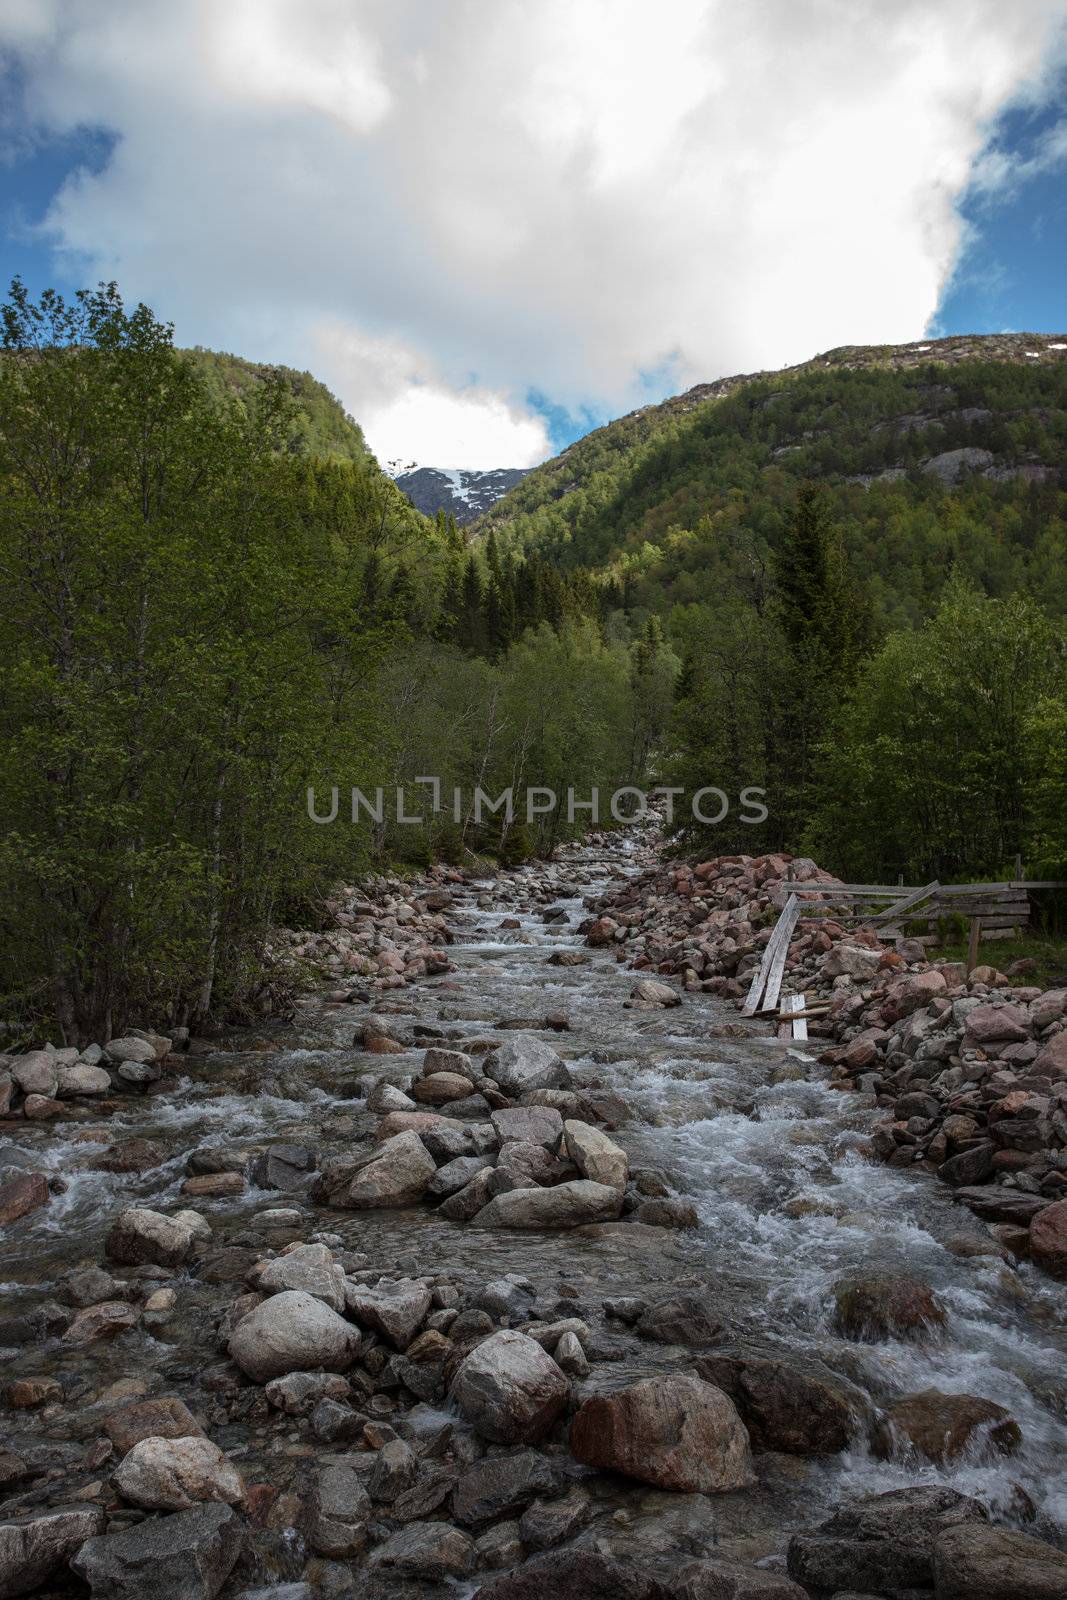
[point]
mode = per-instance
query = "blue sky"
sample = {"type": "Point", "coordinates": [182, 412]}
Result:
{"type": "Point", "coordinates": [484, 277]}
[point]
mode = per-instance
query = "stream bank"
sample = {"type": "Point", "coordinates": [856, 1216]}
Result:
{"type": "Point", "coordinates": [867, 1336]}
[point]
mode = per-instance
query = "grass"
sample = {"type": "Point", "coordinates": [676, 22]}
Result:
{"type": "Point", "coordinates": [1048, 950]}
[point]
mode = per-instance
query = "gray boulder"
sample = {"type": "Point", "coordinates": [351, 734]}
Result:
{"type": "Point", "coordinates": [509, 1389]}
{"type": "Point", "coordinates": [523, 1063]}
{"type": "Point", "coordinates": [337, 1513]}
{"type": "Point", "coordinates": [311, 1268]}
{"type": "Point", "coordinates": [33, 1551]}
{"type": "Point", "coordinates": [396, 1310]}
{"type": "Point", "coordinates": [566, 1205]}
{"type": "Point", "coordinates": [187, 1556]}
{"type": "Point", "coordinates": [292, 1332]}
{"type": "Point", "coordinates": [882, 1542]}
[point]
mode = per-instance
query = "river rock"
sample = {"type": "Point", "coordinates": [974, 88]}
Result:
{"type": "Point", "coordinates": [141, 1237]}
{"type": "Point", "coordinates": [36, 1073]}
{"type": "Point", "coordinates": [597, 1157]}
{"type": "Point", "coordinates": [1048, 1239]}
{"type": "Point", "coordinates": [471, 1199]}
{"type": "Point", "coordinates": [548, 1523]}
{"type": "Point", "coordinates": [291, 1332]}
{"type": "Point", "coordinates": [37, 1549]}
{"type": "Point", "coordinates": [566, 1205]}
{"type": "Point", "coordinates": [81, 1079]}
{"type": "Point", "coordinates": [174, 1474]}
{"type": "Point", "coordinates": [440, 1088]}
{"type": "Point", "coordinates": [667, 1212]}
{"type": "Point", "coordinates": [283, 1166]}
{"type": "Point", "coordinates": [104, 1321]}
{"type": "Point", "coordinates": [685, 1318]}
{"type": "Point", "coordinates": [575, 1575]}
{"type": "Point", "coordinates": [784, 1408]}
{"type": "Point", "coordinates": [991, 1024]}
{"type": "Point", "coordinates": [648, 994]}
{"type": "Point", "coordinates": [523, 1063]}
{"type": "Point", "coordinates": [22, 1194]}
{"type": "Point", "coordinates": [432, 1551]}
{"type": "Point", "coordinates": [1051, 1061]}
{"type": "Point", "coordinates": [455, 1175]}
{"type": "Point", "coordinates": [397, 1174]}
{"type": "Point", "coordinates": [130, 1049]}
{"type": "Point", "coordinates": [941, 1426]}
{"type": "Point", "coordinates": [715, 1579]}
{"type": "Point", "coordinates": [502, 1486]}
{"type": "Point", "coordinates": [298, 1393]}
{"type": "Point", "coordinates": [853, 961]}
{"type": "Point", "coordinates": [911, 994]}
{"type": "Point", "coordinates": [309, 1267]}
{"type": "Point", "coordinates": [337, 1513]}
{"type": "Point", "coordinates": [397, 1310]}
{"type": "Point", "coordinates": [674, 1432]}
{"type": "Point", "coordinates": [886, 1308]}
{"type": "Point", "coordinates": [541, 1125]}
{"type": "Point", "coordinates": [509, 1389]}
{"type": "Point", "coordinates": [165, 1417]}
{"type": "Point", "coordinates": [973, 1562]}
{"type": "Point", "coordinates": [386, 1097]}
{"type": "Point", "coordinates": [437, 1059]}
{"type": "Point", "coordinates": [187, 1556]}
{"type": "Point", "coordinates": [882, 1542]}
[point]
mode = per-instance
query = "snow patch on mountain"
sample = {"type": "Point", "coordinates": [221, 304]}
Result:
{"type": "Point", "coordinates": [457, 491]}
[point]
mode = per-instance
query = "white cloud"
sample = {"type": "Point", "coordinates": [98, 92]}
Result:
{"type": "Point", "coordinates": [443, 207]}
{"type": "Point", "coordinates": [409, 415]}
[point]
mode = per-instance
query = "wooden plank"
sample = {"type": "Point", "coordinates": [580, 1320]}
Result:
{"type": "Point", "coordinates": [913, 898]}
{"type": "Point", "coordinates": [777, 972]}
{"type": "Point", "coordinates": [798, 1008]}
{"type": "Point", "coordinates": [972, 944]}
{"type": "Point", "coordinates": [783, 930]}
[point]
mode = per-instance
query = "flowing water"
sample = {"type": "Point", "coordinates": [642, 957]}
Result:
{"type": "Point", "coordinates": [745, 1127]}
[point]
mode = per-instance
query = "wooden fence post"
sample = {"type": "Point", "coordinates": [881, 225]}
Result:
{"type": "Point", "coordinates": [972, 946]}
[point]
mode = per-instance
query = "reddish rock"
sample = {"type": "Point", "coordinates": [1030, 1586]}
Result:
{"type": "Point", "coordinates": [1048, 1239]}
{"type": "Point", "coordinates": [941, 1426]}
{"type": "Point", "coordinates": [911, 993]}
{"type": "Point", "coordinates": [39, 1108]}
{"type": "Point", "coordinates": [212, 1185]}
{"type": "Point", "coordinates": [885, 1308]}
{"type": "Point", "coordinates": [674, 1432]}
{"type": "Point", "coordinates": [28, 1192]}
{"type": "Point", "coordinates": [380, 1046]}
{"type": "Point", "coordinates": [1051, 1061]}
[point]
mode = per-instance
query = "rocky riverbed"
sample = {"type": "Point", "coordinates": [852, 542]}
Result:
{"type": "Point", "coordinates": [505, 1270]}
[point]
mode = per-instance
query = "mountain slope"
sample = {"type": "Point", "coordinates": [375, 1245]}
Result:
{"type": "Point", "coordinates": [456, 491]}
{"type": "Point", "coordinates": [322, 427]}
{"type": "Point", "coordinates": [933, 454]}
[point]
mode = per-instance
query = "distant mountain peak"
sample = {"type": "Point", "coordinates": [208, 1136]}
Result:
{"type": "Point", "coordinates": [457, 491]}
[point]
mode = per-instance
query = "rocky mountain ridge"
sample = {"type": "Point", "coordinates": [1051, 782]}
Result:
{"type": "Point", "coordinates": [458, 491]}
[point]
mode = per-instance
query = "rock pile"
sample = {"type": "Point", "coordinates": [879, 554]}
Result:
{"type": "Point", "coordinates": [385, 932]}
{"type": "Point", "coordinates": [971, 1071]}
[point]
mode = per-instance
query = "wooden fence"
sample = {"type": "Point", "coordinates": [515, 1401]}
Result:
{"type": "Point", "coordinates": [1001, 910]}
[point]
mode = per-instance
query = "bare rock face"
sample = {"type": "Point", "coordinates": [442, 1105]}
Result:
{"type": "Point", "coordinates": [675, 1432]}
{"type": "Point", "coordinates": [524, 1063]}
{"type": "Point", "coordinates": [187, 1556]}
{"type": "Point", "coordinates": [31, 1552]}
{"type": "Point", "coordinates": [292, 1332]}
{"type": "Point", "coordinates": [981, 1563]}
{"type": "Point", "coordinates": [566, 1205]}
{"type": "Point", "coordinates": [142, 1237]}
{"type": "Point", "coordinates": [941, 1426]}
{"type": "Point", "coordinates": [1048, 1239]}
{"type": "Point", "coordinates": [175, 1474]}
{"type": "Point", "coordinates": [509, 1389]}
{"type": "Point", "coordinates": [597, 1157]}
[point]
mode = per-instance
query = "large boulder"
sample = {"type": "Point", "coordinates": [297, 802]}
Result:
{"type": "Point", "coordinates": [886, 1307]}
{"type": "Point", "coordinates": [685, 1318]}
{"type": "Point", "coordinates": [881, 1543]}
{"type": "Point", "coordinates": [784, 1408]}
{"type": "Point", "coordinates": [675, 1432]}
{"type": "Point", "coordinates": [648, 994]}
{"type": "Point", "coordinates": [187, 1556]}
{"type": "Point", "coordinates": [310, 1268]}
{"type": "Point", "coordinates": [397, 1174]}
{"type": "Point", "coordinates": [509, 1389]}
{"type": "Point", "coordinates": [141, 1237]}
{"type": "Point", "coordinates": [34, 1550]}
{"type": "Point", "coordinates": [431, 1551]}
{"type": "Point", "coordinates": [1051, 1061]}
{"type": "Point", "coordinates": [82, 1079]}
{"type": "Point", "coordinates": [174, 1474]}
{"type": "Point", "coordinates": [26, 1192]}
{"type": "Point", "coordinates": [540, 1125]}
{"type": "Point", "coordinates": [565, 1205]}
{"type": "Point", "coordinates": [597, 1157]}
{"type": "Point", "coordinates": [523, 1063]}
{"type": "Point", "coordinates": [857, 961]}
{"type": "Point", "coordinates": [973, 1562]}
{"type": "Point", "coordinates": [292, 1332]}
{"type": "Point", "coordinates": [912, 994]}
{"type": "Point", "coordinates": [1048, 1239]}
{"type": "Point", "coordinates": [165, 1417]}
{"type": "Point", "coordinates": [989, 1024]}
{"type": "Point", "coordinates": [37, 1072]}
{"type": "Point", "coordinates": [941, 1427]}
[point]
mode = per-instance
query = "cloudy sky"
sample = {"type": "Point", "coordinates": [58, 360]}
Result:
{"type": "Point", "coordinates": [490, 224]}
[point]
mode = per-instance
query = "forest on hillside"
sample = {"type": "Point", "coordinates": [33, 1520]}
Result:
{"type": "Point", "coordinates": [208, 610]}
